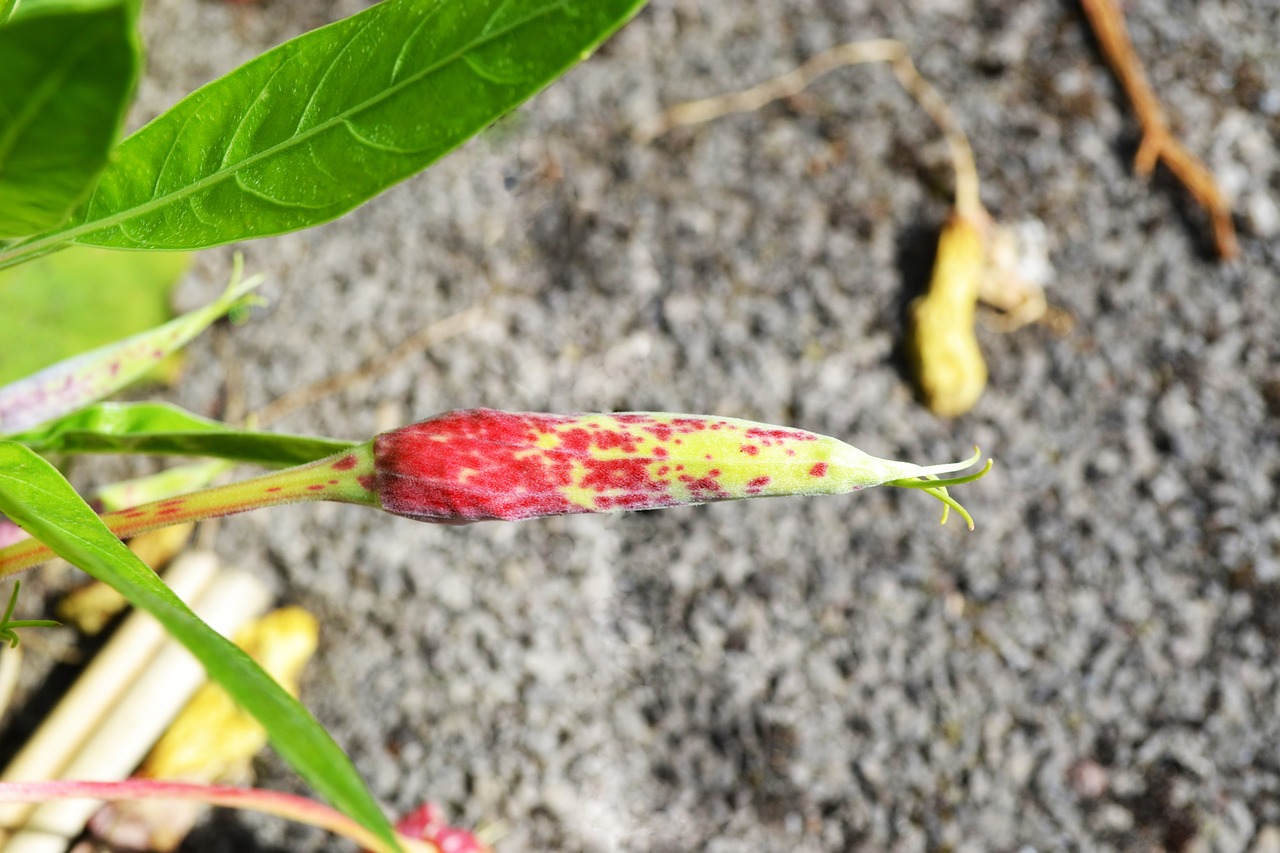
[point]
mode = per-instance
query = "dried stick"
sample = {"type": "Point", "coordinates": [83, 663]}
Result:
{"type": "Point", "coordinates": [1158, 143]}
{"type": "Point", "coordinates": [122, 729]}
{"type": "Point", "coordinates": [436, 333]}
{"type": "Point", "coordinates": [794, 82]}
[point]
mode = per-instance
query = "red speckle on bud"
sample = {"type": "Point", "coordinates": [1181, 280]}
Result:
{"type": "Point", "coordinates": [346, 463]}
{"type": "Point", "coordinates": [473, 465]}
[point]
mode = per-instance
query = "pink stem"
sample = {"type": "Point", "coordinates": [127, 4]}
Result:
{"type": "Point", "coordinates": [288, 806]}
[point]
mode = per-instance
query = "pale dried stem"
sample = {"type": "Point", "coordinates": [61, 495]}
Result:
{"type": "Point", "coordinates": [65, 730]}
{"type": "Point", "coordinates": [10, 669]}
{"type": "Point", "coordinates": [1158, 143]}
{"type": "Point", "coordinates": [123, 723]}
{"type": "Point", "coordinates": [436, 333]}
{"type": "Point", "coordinates": [796, 81]}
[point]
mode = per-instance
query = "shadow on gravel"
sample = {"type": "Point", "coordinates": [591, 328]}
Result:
{"type": "Point", "coordinates": [915, 250]}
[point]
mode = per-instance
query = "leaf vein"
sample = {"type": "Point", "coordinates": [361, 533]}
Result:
{"type": "Point", "coordinates": [248, 111]}
{"type": "Point", "coordinates": [333, 63]}
{"type": "Point", "coordinates": [413, 34]}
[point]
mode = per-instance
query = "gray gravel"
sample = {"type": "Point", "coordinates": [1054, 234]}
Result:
{"type": "Point", "coordinates": [1092, 669]}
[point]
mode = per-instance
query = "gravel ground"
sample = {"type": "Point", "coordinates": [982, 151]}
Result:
{"type": "Point", "coordinates": [1092, 669]}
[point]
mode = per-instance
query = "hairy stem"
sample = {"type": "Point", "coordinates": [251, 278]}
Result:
{"type": "Point", "coordinates": [345, 477]}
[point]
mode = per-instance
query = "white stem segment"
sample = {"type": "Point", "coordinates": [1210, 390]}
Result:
{"type": "Point", "coordinates": [109, 729]}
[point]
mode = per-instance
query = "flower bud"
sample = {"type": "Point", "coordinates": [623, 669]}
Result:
{"type": "Point", "coordinates": [477, 464]}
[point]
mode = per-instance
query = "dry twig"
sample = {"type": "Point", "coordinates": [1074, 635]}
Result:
{"type": "Point", "coordinates": [1158, 144]}
{"type": "Point", "coordinates": [436, 333]}
{"type": "Point", "coordinates": [794, 82]}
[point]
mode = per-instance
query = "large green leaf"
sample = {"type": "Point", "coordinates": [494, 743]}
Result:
{"type": "Point", "coordinates": [26, 8]}
{"type": "Point", "coordinates": [35, 495]}
{"type": "Point", "coordinates": [317, 126]}
{"type": "Point", "coordinates": [68, 76]}
{"type": "Point", "coordinates": [161, 428]}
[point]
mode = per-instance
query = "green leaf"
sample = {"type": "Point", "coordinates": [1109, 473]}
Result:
{"type": "Point", "coordinates": [163, 429]}
{"type": "Point", "coordinates": [79, 299]}
{"type": "Point", "coordinates": [68, 78]}
{"type": "Point", "coordinates": [26, 8]}
{"type": "Point", "coordinates": [319, 125]}
{"type": "Point", "coordinates": [35, 495]}
{"type": "Point", "coordinates": [76, 382]}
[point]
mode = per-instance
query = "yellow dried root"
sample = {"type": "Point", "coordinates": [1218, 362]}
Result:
{"type": "Point", "coordinates": [213, 740]}
{"type": "Point", "coordinates": [941, 344]}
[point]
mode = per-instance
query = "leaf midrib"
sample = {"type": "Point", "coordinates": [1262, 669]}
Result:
{"type": "Point", "coordinates": [340, 118]}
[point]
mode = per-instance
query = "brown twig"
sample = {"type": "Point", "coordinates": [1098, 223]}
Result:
{"type": "Point", "coordinates": [437, 332]}
{"type": "Point", "coordinates": [1158, 143]}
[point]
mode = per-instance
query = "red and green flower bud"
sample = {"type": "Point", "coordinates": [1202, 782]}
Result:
{"type": "Point", "coordinates": [479, 464]}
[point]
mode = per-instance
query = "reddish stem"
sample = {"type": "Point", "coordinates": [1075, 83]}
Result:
{"type": "Point", "coordinates": [344, 477]}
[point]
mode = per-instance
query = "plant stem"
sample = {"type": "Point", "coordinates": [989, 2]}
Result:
{"type": "Point", "coordinates": [29, 250]}
{"type": "Point", "coordinates": [345, 477]}
{"type": "Point", "coordinates": [1158, 142]}
{"type": "Point", "coordinates": [797, 80]}
{"type": "Point", "coordinates": [289, 806]}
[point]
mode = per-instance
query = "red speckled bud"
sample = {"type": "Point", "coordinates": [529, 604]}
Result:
{"type": "Point", "coordinates": [479, 464]}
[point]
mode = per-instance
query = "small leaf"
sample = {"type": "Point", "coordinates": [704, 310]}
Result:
{"type": "Point", "coordinates": [36, 496]}
{"type": "Point", "coordinates": [76, 382]}
{"type": "Point", "coordinates": [9, 625]}
{"type": "Point", "coordinates": [160, 428]}
{"type": "Point", "coordinates": [322, 123]}
{"type": "Point", "coordinates": [68, 77]}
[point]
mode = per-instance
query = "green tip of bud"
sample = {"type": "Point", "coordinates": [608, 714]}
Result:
{"type": "Point", "coordinates": [238, 294]}
{"type": "Point", "coordinates": [933, 485]}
